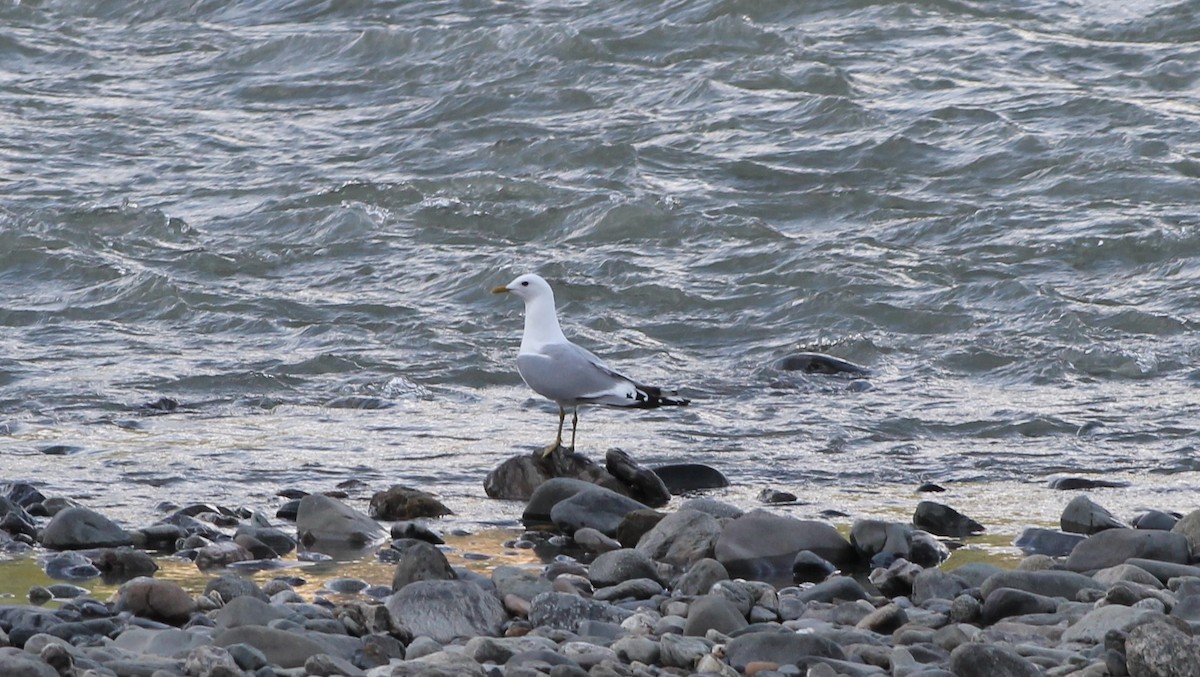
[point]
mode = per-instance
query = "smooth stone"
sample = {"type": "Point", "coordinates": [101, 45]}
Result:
{"type": "Point", "coordinates": [586, 654]}
{"type": "Point", "coordinates": [321, 519]}
{"type": "Point", "coordinates": [772, 496]}
{"type": "Point", "coordinates": [614, 567]}
{"type": "Point", "coordinates": [990, 660]}
{"type": "Point", "coordinates": [640, 483]}
{"type": "Point", "coordinates": [718, 509]}
{"type": "Point", "coordinates": [897, 579]}
{"type": "Point", "coordinates": [885, 620]}
{"type": "Point", "coordinates": [1156, 519]}
{"type": "Point", "coordinates": [783, 648]}
{"type": "Point", "coordinates": [681, 538]}
{"type": "Point", "coordinates": [637, 648]}
{"type": "Point", "coordinates": [247, 657]}
{"type": "Point", "coordinates": [635, 525]}
{"type": "Point", "coordinates": [248, 610]}
{"type": "Point", "coordinates": [499, 649]}
{"type": "Point", "coordinates": [77, 528]}
{"type": "Point", "coordinates": [419, 561]}
{"type": "Point", "coordinates": [1165, 571]}
{"type": "Point", "coordinates": [445, 610]}
{"type": "Point", "coordinates": [836, 588]}
{"type": "Point", "coordinates": [762, 546]}
{"type": "Point", "coordinates": [1099, 621]}
{"type": "Point", "coordinates": [1189, 527]}
{"type": "Point", "coordinates": [399, 502]}
{"type": "Point", "coordinates": [1005, 602]}
{"type": "Point", "coordinates": [1047, 583]}
{"type": "Point", "coordinates": [156, 599]}
{"type": "Point", "coordinates": [221, 556]}
{"type": "Point", "coordinates": [1126, 572]}
{"type": "Point", "coordinates": [168, 643]}
{"type": "Point", "coordinates": [525, 584]}
{"type": "Point", "coordinates": [283, 648]}
{"type": "Point", "coordinates": [880, 542]}
{"type": "Point", "coordinates": [416, 530]}
{"type": "Point", "coordinates": [598, 508]}
{"type": "Point", "coordinates": [324, 665]}
{"type": "Point", "coordinates": [17, 663]}
{"type": "Point", "coordinates": [592, 540]}
{"type": "Point", "coordinates": [1158, 649]}
{"type": "Point", "coordinates": [566, 611]}
{"type": "Point", "coordinates": [713, 612]}
{"type": "Point", "coordinates": [1084, 516]}
{"type": "Point", "coordinates": [211, 661]}
{"type": "Point", "coordinates": [936, 584]}
{"type": "Point", "coordinates": [1077, 483]}
{"type": "Point", "coordinates": [636, 588]}
{"type": "Point", "coordinates": [681, 478]}
{"type": "Point", "coordinates": [275, 539]}
{"type": "Point", "coordinates": [549, 494]}
{"type": "Point", "coordinates": [700, 577]}
{"type": "Point", "coordinates": [926, 550]}
{"type": "Point", "coordinates": [1115, 546]}
{"type": "Point", "coordinates": [809, 567]}
{"type": "Point", "coordinates": [943, 520]}
{"type": "Point", "coordinates": [123, 563]}
{"type": "Point", "coordinates": [818, 363]}
{"type": "Point", "coordinates": [228, 586]}
{"type": "Point", "coordinates": [677, 651]}
{"type": "Point", "coordinates": [1050, 542]}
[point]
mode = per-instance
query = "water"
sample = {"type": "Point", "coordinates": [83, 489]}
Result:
{"type": "Point", "coordinates": [287, 215]}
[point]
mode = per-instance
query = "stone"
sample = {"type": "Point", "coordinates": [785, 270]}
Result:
{"type": "Point", "coordinates": [990, 660]}
{"type": "Point", "coordinates": [283, 648]}
{"type": "Point", "coordinates": [1126, 572]}
{"type": "Point", "coordinates": [77, 528]}
{"type": "Point", "coordinates": [1189, 527]}
{"type": "Point", "coordinates": [399, 502]}
{"type": "Point", "coordinates": [1047, 583]}
{"type": "Point", "coordinates": [520, 477]}
{"type": "Point", "coordinates": [419, 561]}
{"type": "Point", "coordinates": [879, 542]}
{"type": "Point", "coordinates": [275, 539]}
{"type": "Point", "coordinates": [221, 555]}
{"type": "Point", "coordinates": [926, 550]}
{"type": "Point", "coordinates": [713, 612]}
{"type": "Point", "coordinates": [835, 588]}
{"type": "Point", "coordinates": [897, 579]}
{"type": "Point", "coordinates": [1084, 516]}
{"type": "Point", "coordinates": [228, 586]}
{"type": "Point", "coordinates": [522, 583]}
{"type": "Point", "coordinates": [885, 620]}
{"type": "Point", "coordinates": [809, 567]}
{"type": "Point", "coordinates": [700, 577]}
{"type": "Point", "coordinates": [635, 525]}
{"type": "Point", "coordinates": [124, 563]}
{"type": "Point", "coordinates": [677, 651]}
{"type": "Point", "coordinates": [17, 663]}
{"type": "Point", "coordinates": [783, 648]}
{"type": "Point", "coordinates": [943, 520]}
{"type": "Point", "coordinates": [1156, 519]}
{"type": "Point", "coordinates": [1004, 602]}
{"type": "Point", "coordinates": [598, 508]}
{"type": "Point", "coordinates": [416, 530]}
{"type": "Point", "coordinates": [592, 540]}
{"type": "Point", "coordinates": [1077, 483]}
{"type": "Point", "coordinates": [1101, 620]}
{"type": "Point", "coordinates": [621, 565]}
{"type": "Point", "coordinates": [637, 648]}
{"type": "Point", "coordinates": [681, 478]}
{"type": "Point", "coordinates": [566, 611]}
{"type": "Point", "coordinates": [636, 588]}
{"type": "Point", "coordinates": [324, 665]}
{"type": "Point", "coordinates": [1164, 571]}
{"type": "Point", "coordinates": [445, 610]}
{"type": "Point", "coordinates": [1158, 649]}
{"type": "Point", "coordinates": [681, 538]}
{"type": "Point", "coordinates": [640, 483]}
{"type": "Point", "coordinates": [158, 600]}
{"type": "Point", "coordinates": [773, 496]}
{"type": "Point", "coordinates": [247, 610]}
{"type": "Point", "coordinates": [321, 519]}
{"type": "Point", "coordinates": [936, 584]}
{"type": "Point", "coordinates": [1050, 542]}
{"type": "Point", "coordinates": [712, 506]}
{"type": "Point", "coordinates": [1115, 546]}
{"type": "Point", "coordinates": [211, 661]}
{"type": "Point", "coordinates": [762, 546]}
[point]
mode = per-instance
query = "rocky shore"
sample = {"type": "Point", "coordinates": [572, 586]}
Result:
{"type": "Point", "coordinates": [626, 588]}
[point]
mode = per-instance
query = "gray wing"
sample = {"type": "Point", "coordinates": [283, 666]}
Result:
{"type": "Point", "coordinates": [570, 375]}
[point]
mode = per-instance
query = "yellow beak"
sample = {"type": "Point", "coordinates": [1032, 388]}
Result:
{"type": "Point", "coordinates": [500, 290]}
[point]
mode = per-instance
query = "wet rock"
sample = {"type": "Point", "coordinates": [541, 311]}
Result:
{"type": "Point", "coordinates": [156, 599]}
{"type": "Point", "coordinates": [597, 508]}
{"type": "Point", "coordinates": [633, 589]}
{"type": "Point", "coordinates": [221, 555]}
{"type": "Point", "coordinates": [324, 665]}
{"type": "Point", "coordinates": [1156, 519]}
{"type": "Point", "coordinates": [416, 530]}
{"type": "Point", "coordinates": [944, 521]}
{"type": "Point", "coordinates": [510, 580]}
{"type": "Point", "coordinates": [211, 661]}
{"type": "Point", "coordinates": [405, 503]}
{"type": "Point", "coordinates": [925, 550]}
{"type": "Point", "coordinates": [1049, 542]}
{"type": "Point", "coordinates": [841, 588]}
{"type": "Point", "coordinates": [781, 648]}
{"type": "Point", "coordinates": [419, 561]}
{"type": "Point", "coordinates": [763, 546]}
{"type": "Point", "coordinates": [676, 651]}
{"type": "Point", "coordinates": [700, 577]}
{"type": "Point", "coordinates": [1078, 483]}
{"type": "Point", "coordinates": [713, 612]}
{"type": "Point", "coordinates": [324, 519]}
{"type": "Point", "coordinates": [444, 610]}
{"type": "Point", "coordinates": [1084, 516]}
{"type": "Point", "coordinates": [1114, 546]}
{"type": "Point", "coordinates": [776, 496]}
{"type": "Point", "coordinates": [879, 542]}
{"type": "Point", "coordinates": [519, 477]}
{"type": "Point", "coordinates": [712, 506]}
{"type": "Point", "coordinates": [930, 488]}
{"type": "Point", "coordinates": [897, 579]}
{"type": "Point", "coordinates": [70, 566]}
{"type": "Point", "coordinates": [641, 484]}
{"type": "Point", "coordinates": [566, 611]}
{"type": "Point", "coordinates": [936, 584]}
{"type": "Point", "coordinates": [681, 478]}
{"type": "Point", "coordinates": [78, 528]}
{"type": "Point", "coordinates": [256, 548]}
{"type": "Point", "coordinates": [276, 539]}
{"type": "Point", "coordinates": [229, 586]}
{"type": "Point", "coordinates": [548, 494]}
{"type": "Point", "coordinates": [614, 567]}
{"type": "Point", "coordinates": [635, 525]}
{"type": "Point", "coordinates": [808, 567]}
{"type": "Point", "coordinates": [885, 620]}
{"type": "Point", "coordinates": [246, 610]}
{"type": "Point", "coordinates": [1160, 650]}
{"type": "Point", "coordinates": [592, 540]}
{"type": "Point", "coordinates": [819, 363]}
{"type": "Point", "coordinates": [984, 660]}
{"type": "Point", "coordinates": [1189, 527]}
{"type": "Point", "coordinates": [1046, 583]}
{"type": "Point", "coordinates": [1164, 571]}
{"type": "Point", "coordinates": [681, 538]}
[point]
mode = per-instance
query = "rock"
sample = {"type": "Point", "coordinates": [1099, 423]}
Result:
{"type": "Point", "coordinates": [1084, 516]}
{"type": "Point", "coordinates": [119, 564]}
{"type": "Point", "coordinates": [676, 651]}
{"type": "Point", "coordinates": [419, 561]}
{"type": "Point", "coordinates": [1047, 583]}
{"type": "Point", "coordinates": [519, 477]}
{"type": "Point", "coordinates": [17, 663]}
{"type": "Point", "coordinates": [1101, 620]}
{"type": "Point", "coordinates": [636, 588]}
{"type": "Point", "coordinates": [772, 496]}
{"type": "Point", "coordinates": [819, 363]}
{"type": "Point", "coordinates": [1160, 650]}
{"type": "Point", "coordinates": [897, 579]}
{"type": "Point", "coordinates": [511, 580]}
{"type": "Point", "coordinates": [1004, 602]}
{"type": "Point", "coordinates": [1077, 483]}
{"type": "Point", "coordinates": [762, 546]}
{"type": "Point", "coordinates": [1156, 519]}
{"type": "Point", "coordinates": [700, 577]}
{"type": "Point", "coordinates": [324, 519]}
{"type": "Point", "coordinates": [248, 610]}
{"type": "Point", "coordinates": [713, 612]}
{"type": "Point", "coordinates": [445, 610]}
{"type": "Point", "coordinates": [1050, 542]}
{"type": "Point", "coordinates": [884, 620]}
{"type": "Point", "coordinates": [566, 611]}
{"type": "Point", "coordinates": [836, 588]}
{"type": "Point", "coordinates": [936, 584]}
{"type": "Point", "coordinates": [880, 542]}
{"type": "Point", "coordinates": [416, 530]}
{"type": "Point", "coordinates": [597, 507]}
{"type": "Point", "coordinates": [78, 528]}
{"type": "Point", "coordinates": [988, 660]}
{"type": "Point", "coordinates": [158, 600]}
{"type": "Point", "coordinates": [405, 503]}
{"type": "Point", "coordinates": [641, 484]}
{"type": "Point", "coordinates": [681, 478]}
{"type": "Point", "coordinates": [1164, 571]}
{"type": "Point", "coordinates": [1114, 546]}
{"type": "Point", "coordinates": [926, 550]}
{"type": "Point", "coordinates": [712, 506]}
{"type": "Point", "coordinates": [1189, 527]}
{"type": "Point", "coordinates": [808, 567]}
{"type": "Point", "coordinates": [324, 665]}
{"type": "Point", "coordinates": [70, 566]}
{"type": "Point", "coordinates": [229, 586]}
{"type": "Point", "coordinates": [1126, 572]}
{"type": "Point", "coordinates": [944, 521]}
{"type": "Point", "coordinates": [783, 648]}
{"type": "Point", "coordinates": [221, 555]}
{"type": "Point", "coordinates": [257, 549]}
{"type": "Point", "coordinates": [548, 494]}
{"type": "Point", "coordinates": [592, 540]}
{"type": "Point", "coordinates": [681, 538]}
{"type": "Point", "coordinates": [617, 566]}
{"type": "Point", "coordinates": [283, 648]}
{"type": "Point", "coordinates": [275, 539]}
{"type": "Point", "coordinates": [211, 661]}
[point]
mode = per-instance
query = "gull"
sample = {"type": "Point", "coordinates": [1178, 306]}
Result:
{"type": "Point", "coordinates": [566, 374]}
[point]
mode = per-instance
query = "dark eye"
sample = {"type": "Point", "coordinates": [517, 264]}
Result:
{"type": "Point", "coordinates": [525, 283]}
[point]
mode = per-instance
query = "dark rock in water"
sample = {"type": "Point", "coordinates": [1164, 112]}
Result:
{"type": "Point", "coordinates": [118, 564]}
{"type": "Point", "coordinates": [1114, 546]}
{"type": "Point", "coordinates": [289, 510]}
{"type": "Point", "coordinates": [417, 531]}
{"type": "Point", "coordinates": [681, 538]}
{"type": "Point", "coordinates": [1084, 516]}
{"type": "Point", "coordinates": [637, 524]}
{"type": "Point", "coordinates": [818, 363]}
{"type": "Point", "coordinates": [641, 484]}
{"type": "Point", "coordinates": [358, 402]}
{"type": "Point", "coordinates": [972, 659]}
{"type": "Point", "coordinates": [158, 600]}
{"type": "Point", "coordinates": [547, 495]}
{"type": "Point", "coordinates": [60, 450]}
{"type": "Point", "coordinates": [162, 405]}
{"type": "Point", "coordinates": [776, 496]}
{"type": "Point", "coordinates": [841, 588]}
{"type": "Point", "coordinates": [1189, 526]}
{"type": "Point", "coordinates": [681, 478]}
{"type": "Point", "coordinates": [221, 555]}
{"type": "Point", "coordinates": [419, 561]}
{"type": "Point", "coordinates": [598, 508]}
{"type": "Point", "coordinates": [763, 546]}
{"type": "Point", "coordinates": [403, 503]}
{"type": "Point", "coordinates": [566, 611]}
{"type": "Point", "coordinates": [1155, 519]}
{"type": "Point", "coordinates": [324, 519]}
{"type": "Point", "coordinates": [880, 542]}
{"type": "Point", "coordinates": [444, 610]}
{"type": "Point", "coordinates": [277, 540]}
{"type": "Point", "coordinates": [808, 567]}
{"type": "Point", "coordinates": [930, 487]}
{"type": "Point", "coordinates": [231, 586]}
{"type": "Point", "coordinates": [519, 477]}
{"type": "Point", "coordinates": [1077, 483]}
{"type": "Point", "coordinates": [23, 494]}
{"type": "Point", "coordinates": [15, 520]}
{"type": "Point", "coordinates": [944, 521]}
{"type": "Point", "coordinates": [78, 528]}
{"type": "Point", "coordinates": [70, 566]}
{"type": "Point", "coordinates": [511, 580]}
{"type": "Point", "coordinates": [256, 548]}
{"type": "Point", "coordinates": [1049, 542]}
{"type": "Point", "coordinates": [926, 550]}
{"type": "Point", "coordinates": [782, 647]}
{"type": "Point", "coordinates": [1158, 649]}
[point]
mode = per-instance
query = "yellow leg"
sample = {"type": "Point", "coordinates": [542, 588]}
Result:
{"type": "Point", "coordinates": [562, 416]}
{"type": "Point", "coordinates": [574, 425]}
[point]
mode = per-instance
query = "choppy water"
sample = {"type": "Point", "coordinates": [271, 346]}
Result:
{"type": "Point", "coordinates": [286, 215]}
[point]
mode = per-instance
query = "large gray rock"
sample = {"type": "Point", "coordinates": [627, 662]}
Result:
{"type": "Point", "coordinates": [713, 612]}
{"type": "Point", "coordinates": [1049, 542]}
{"type": "Point", "coordinates": [158, 600]}
{"type": "Point", "coordinates": [419, 561]}
{"type": "Point", "coordinates": [1189, 526]}
{"type": "Point", "coordinates": [784, 648]}
{"type": "Point", "coordinates": [936, 584]}
{"type": "Point", "coordinates": [597, 508]}
{"type": "Point", "coordinates": [1114, 546]}
{"type": "Point", "coordinates": [445, 610]}
{"type": "Point", "coordinates": [78, 527]}
{"type": "Point", "coordinates": [762, 546]}
{"type": "Point", "coordinates": [520, 477]}
{"type": "Point", "coordinates": [511, 580]}
{"type": "Point", "coordinates": [700, 577]}
{"type": "Point", "coordinates": [566, 611]}
{"type": "Point", "coordinates": [990, 660]}
{"type": "Point", "coordinates": [1101, 620]}
{"type": "Point", "coordinates": [681, 538]}
{"type": "Point", "coordinates": [943, 520]}
{"type": "Point", "coordinates": [283, 648]}
{"type": "Point", "coordinates": [1160, 650]}
{"type": "Point", "coordinates": [880, 542]}
{"type": "Point", "coordinates": [321, 519]}
{"type": "Point", "coordinates": [17, 663]}
{"type": "Point", "coordinates": [1005, 602]}
{"type": "Point", "coordinates": [247, 610]}
{"type": "Point", "coordinates": [1084, 516]}
{"type": "Point", "coordinates": [1048, 583]}
{"type": "Point", "coordinates": [621, 565]}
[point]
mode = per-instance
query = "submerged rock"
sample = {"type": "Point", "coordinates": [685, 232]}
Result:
{"type": "Point", "coordinates": [944, 521]}
{"type": "Point", "coordinates": [405, 503]}
{"type": "Point", "coordinates": [641, 484]}
{"type": "Point", "coordinates": [819, 363]}
{"type": "Point", "coordinates": [681, 478]}
{"type": "Point", "coordinates": [321, 518]}
{"type": "Point", "coordinates": [1084, 516]}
